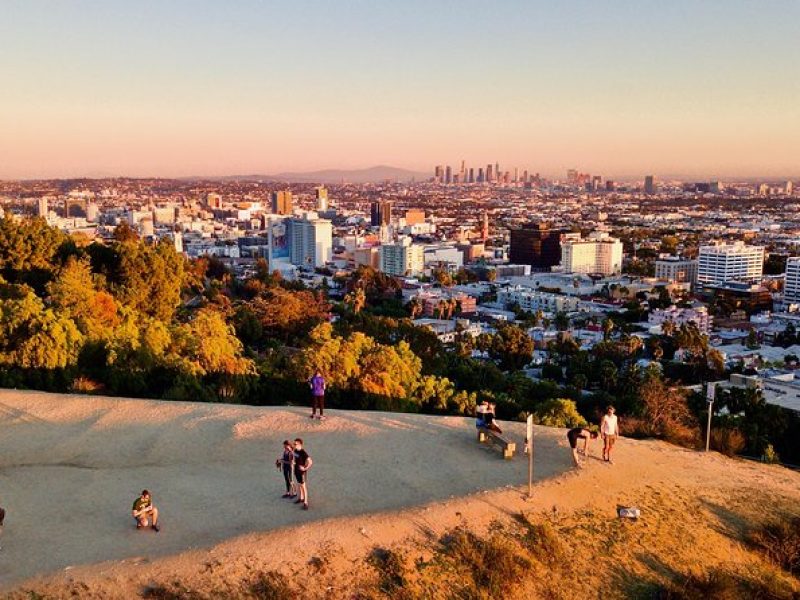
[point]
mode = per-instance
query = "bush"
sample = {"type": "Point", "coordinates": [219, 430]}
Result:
{"type": "Point", "coordinates": [558, 412]}
{"type": "Point", "coordinates": [770, 456]}
{"type": "Point", "coordinates": [542, 541]}
{"type": "Point", "coordinates": [84, 385]}
{"type": "Point", "coordinates": [494, 564]}
{"type": "Point", "coordinates": [728, 441]}
{"type": "Point", "coordinates": [780, 543]}
{"type": "Point", "coordinates": [723, 585]}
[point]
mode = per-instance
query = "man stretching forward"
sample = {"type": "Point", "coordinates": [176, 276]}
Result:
{"type": "Point", "coordinates": [143, 509]}
{"type": "Point", "coordinates": [609, 429]}
{"type": "Point", "coordinates": [302, 463]}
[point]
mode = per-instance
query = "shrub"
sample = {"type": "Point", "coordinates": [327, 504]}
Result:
{"type": "Point", "coordinates": [723, 585]}
{"type": "Point", "coordinates": [780, 543]}
{"type": "Point", "coordinates": [542, 541]}
{"type": "Point", "coordinates": [558, 412]}
{"type": "Point", "coordinates": [493, 564]}
{"type": "Point", "coordinates": [391, 568]}
{"type": "Point", "coordinates": [84, 385]}
{"type": "Point", "coordinates": [728, 440]}
{"type": "Point", "coordinates": [770, 456]}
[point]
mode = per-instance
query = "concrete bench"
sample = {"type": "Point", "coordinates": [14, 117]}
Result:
{"type": "Point", "coordinates": [507, 446]}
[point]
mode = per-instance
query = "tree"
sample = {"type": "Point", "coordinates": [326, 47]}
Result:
{"type": "Point", "coordinates": [561, 321]}
{"type": "Point", "coordinates": [558, 412]}
{"type": "Point", "coordinates": [608, 328]}
{"type": "Point", "coordinates": [665, 410]}
{"type": "Point", "coordinates": [414, 307]}
{"type": "Point", "coordinates": [29, 249]}
{"type": "Point", "coordinates": [32, 336]}
{"type": "Point", "coordinates": [289, 314]}
{"type": "Point", "coordinates": [356, 300]}
{"type": "Point", "coordinates": [208, 345]}
{"type": "Point", "coordinates": [752, 340]}
{"type": "Point", "coordinates": [512, 347]}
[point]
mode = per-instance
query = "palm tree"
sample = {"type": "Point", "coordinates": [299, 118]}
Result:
{"type": "Point", "coordinates": [356, 300]}
{"type": "Point", "coordinates": [668, 328]}
{"type": "Point", "coordinates": [415, 308]}
{"type": "Point", "coordinates": [608, 328]}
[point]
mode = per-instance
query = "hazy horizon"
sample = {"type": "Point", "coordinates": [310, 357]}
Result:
{"type": "Point", "coordinates": [179, 89]}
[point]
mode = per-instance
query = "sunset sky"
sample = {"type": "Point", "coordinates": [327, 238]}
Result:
{"type": "Point", "coordinates": [620, 88]}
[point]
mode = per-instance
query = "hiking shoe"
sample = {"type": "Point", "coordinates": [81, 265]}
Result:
{"type": "Point", "coordinates": [286, 495]}
{"type": "Point", "coordinates": [298, 501]}
{"type": "Point", "coordinates": [311, 416]}
{"type": "Point", "coordinates": [156, 528]}
{"type": "Point", "coordinates": [305, 505]}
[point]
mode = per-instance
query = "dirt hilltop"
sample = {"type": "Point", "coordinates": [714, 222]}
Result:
{"type": "Point", "coordinates": [386, 489]}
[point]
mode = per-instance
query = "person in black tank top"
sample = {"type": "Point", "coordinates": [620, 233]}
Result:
{"type": "Point", "coordinates": [579, 433]}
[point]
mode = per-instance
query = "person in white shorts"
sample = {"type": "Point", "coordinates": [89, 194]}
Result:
{"type": "Point", "coordinates": [609, 429]}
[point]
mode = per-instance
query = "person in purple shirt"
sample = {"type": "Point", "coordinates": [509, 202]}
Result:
{"type": "Point", "coordinates": [317, 385]}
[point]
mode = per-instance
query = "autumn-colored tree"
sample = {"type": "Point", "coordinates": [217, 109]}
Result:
{"type": "Point", "coordinates": [27, 247]}
{"type": "Point", "coordinates": [207, 344]}
{"type": "Point", "coordinates": [356, 300]}
{"type": "Point", "coordinates": [287, 314]}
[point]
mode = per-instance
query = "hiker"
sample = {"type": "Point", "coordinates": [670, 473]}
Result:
{"type": "Point", "coordinates": [286, 463]}
{"type": "Point", "coordinates": [317, 385]}
{"type": "Point", "coordinates": [480, 414]}
{"type": "Point", "coordinates": [143, 510]}
{"type": "Point", "coordinates": [2, 515]}
{"type": "Point", "coordinates": [609, 429]}
{"type": "Point", "coordinates": [302, 463]}
{"type": "Point", "coordinates": [579, 433]}
{"type": "Point", "coordinates": [489, 419]}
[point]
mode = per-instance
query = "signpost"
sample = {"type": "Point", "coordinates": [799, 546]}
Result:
{"type": "Point", "coordinates": [529, 450]}
{"type": "Point", "coordinates": [711, 390]}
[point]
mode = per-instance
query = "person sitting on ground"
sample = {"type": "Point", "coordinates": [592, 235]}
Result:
{"type": "Point", "coordinates": [144, 510]}
{"type": "Point", "coordinates": [579, 433]}
{"type": "Point", "coordinates": [286, 463]}
{"type": "Point", "coordinates": [489, 419]}
{"type": "Point", "coordinates": [480, 414]}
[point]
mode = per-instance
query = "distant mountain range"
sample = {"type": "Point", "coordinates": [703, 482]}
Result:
{"type": "Point", "coordinates": [369, 175]}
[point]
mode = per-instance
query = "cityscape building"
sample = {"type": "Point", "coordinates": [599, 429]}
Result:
{"type": "Point", "coordinates": [724, 262]}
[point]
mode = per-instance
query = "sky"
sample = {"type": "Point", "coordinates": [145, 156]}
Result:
{"type": "Point", "coordinates": [685, 88]}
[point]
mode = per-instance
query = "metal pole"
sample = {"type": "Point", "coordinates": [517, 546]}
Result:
{"type": "Point", "coordinates": [530, 455]}
{"type": "Point", "coordinates": [708, 427]}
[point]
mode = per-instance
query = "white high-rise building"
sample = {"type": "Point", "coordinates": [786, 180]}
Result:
{"type": "Point", "coordinates": [791, 289]}
{"type": "Point", "coordinates": [322, 198]}
{"type": "Point", "coordinates": [310, 242]}
{"type": "Point", "coordinates": [43, 210]}
{"type": "Point", "coordinates": [730, 262]}
{"type": "Point", "coordinates": [402, 258]}
{"type": "Point", "coordinates": [599, 253]}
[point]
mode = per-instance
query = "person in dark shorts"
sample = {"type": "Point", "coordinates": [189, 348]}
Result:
{"type": "Point", "coordinates": [317, 385]}
{"type": "Point", "coordinates": [286, 464]}
{"type": "Point", "coordinates": [143, 510]}
{"type": "Point", "coordinates": [579, 433]}
{"type": "Point", "coordinates": [302, 463]}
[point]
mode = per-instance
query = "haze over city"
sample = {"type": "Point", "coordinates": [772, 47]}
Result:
{"type": "Point", "coordinates": [683, 89]}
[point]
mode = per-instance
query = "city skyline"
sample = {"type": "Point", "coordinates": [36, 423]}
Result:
{"type": "Point", "coordinates": [198, 89]}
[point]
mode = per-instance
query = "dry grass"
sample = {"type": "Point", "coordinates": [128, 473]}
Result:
{"type": "Point", "coordinates": [780, 543]}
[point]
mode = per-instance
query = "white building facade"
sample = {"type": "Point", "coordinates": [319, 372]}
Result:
{"type": "Point", "coordinates": [402, 258]}
{"type": "Point", "coordinates": [310, 242]}
{"type": "Point", "coordinates": [730, 262]}
{"type": "Point", "coordinates": [791, 289]}
{"type": "Point", "coordinates": [599, 253]}
{"type": "Point", "coordinates": [532, 300]}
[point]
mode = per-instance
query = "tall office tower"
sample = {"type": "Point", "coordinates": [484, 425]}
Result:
{"type": "Point", "coordinates": [322, 198]}
{"type": "Point", "coordinates": [649, 185]}
{"type": "Point", "coordinates": [572, 176]}
{"type": "Point", "coordinates": [596, 181]}
{"type": "Point", "coordinates": [380, 213]}
{"type": "Point", "coordinates": [463, 171]}
{"type": "Point", "coordinates": [497, 171]}
{"type": "Point", "coordinates": [438, 174]}
{"type": "Point", "coordinates": [789, 188]}
{"type": "Point", "coordinates": [516, 175]}
{"type": "Point", "coordinates": [282, 202]}
{"type": "Point", "coordinates": [402, 258]}
{"type": "Point", "coordinates": [536, 245]}
{"type": "Point", "coordinates": [448, 174]}
{"type": "Point", "coordinates": [730, 262]}
{"type": "Point", "coordinates": [791, 289]}
{"type": "Point", "coordinates": [489, 174]}
{"type": "Point", "coordinates": [525, 176]}
{"type": "Point", "coordinates": [42, 209]}
{"type": "Point", "coordinates": [485, 226]}
{"type": "Point", "coordinates": [599, 253]}
{"type": "Point", "coordinates": [471, 178]}
{"type": "Point", "coordinates": [481, 178]}
{"type": "Point", "coordinates": [610, 185]}
{"type": "Point", "coordinates": [310, 242]}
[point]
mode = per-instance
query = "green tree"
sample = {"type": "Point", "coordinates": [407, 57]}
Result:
{"type": "Point", "coordinates": [558, 412]}
{"type": "Point", "coordinates": [511, 347]}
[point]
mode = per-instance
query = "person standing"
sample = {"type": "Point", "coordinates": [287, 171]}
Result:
{"type": "Point", "coordinates": [609, 429]}
{"type": "Point", "coordinates": [317, 385]}
{"type": "Point", "coordinates": [286, 463]}
{"type": "Point", "coordinates": [302, 463]}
